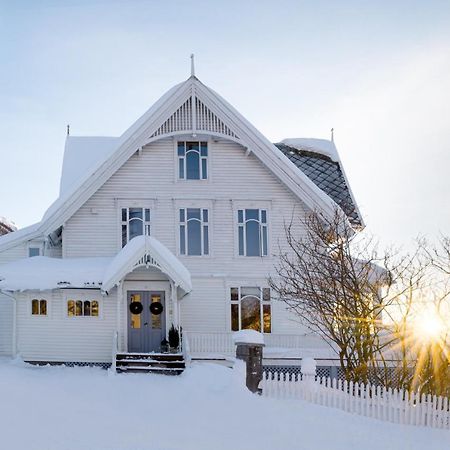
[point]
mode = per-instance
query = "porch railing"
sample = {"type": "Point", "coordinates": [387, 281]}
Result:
{"type": "Point", "coordinates": [222, 343]}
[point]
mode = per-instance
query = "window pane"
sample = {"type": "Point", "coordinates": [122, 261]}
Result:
{"type": "Point", "coordinates": [180, 148]}
{"type": "Point", "coordinates": [205, 241]}
{"type": "Point", "coordinates": [78, 308]}
{"type": "Point", "coordinates": [235, 317]}
{"type": "Point", "coordinates": [250, 314]}
{"type": "Point", "coordinates": [182, 240]}
{"type": "Point", "coordinates": [193, 213]}
{"type": "Point", "coordinates": [182, 215]}
{"type": "Point", "coordinates": [204, 149]}
{"type": "Point", "coordinates": [267, 319]}
{"type": "Point", "coordinates": [204, 169]}
{"type": "Point", "coordinates": [264, 241]}
{"type": "Point", "coordinates": [263, 216]}
{"type": "Point", "coordinates": [70, 308]}
{"type": "Point", "coordinates": [124, 235]}
{"type": "Point", "coordinates": [254, 291]}
{"type": "Point", "coordinates": [135, 318]}
{"type": "Point", "coordinates": [240, 215]}
{"type": "Point", "coordinates": [34, 307]}
{"type": "Point", "coordinates": [43, 307]}
{"type": "Point", "coordinates": [205, 215]}
{"type": "Point", "coordinates": [124, 214]}
{"type": "Point", "coordinates": [156, 318]}
{"type": "Point", "coordinates": [87, 308]}
{"type": "Point", "coordinates": [192, 146]}
{"type": "Point", "coordinates": [194, 238]}
{"type": "Point", "coordinates": [252, 238]}
{"type": "Point", "coordinates": [234, 293]}
{"type": "Point", "coordinates": [241, 240]}
{"type": "Point", "coordinates": [192, 166]}
{"type": "Point", "coordinates": [136, 213]}
{"type": "Point", "coordinates": [147, 215]}
{"type": "Point", "coordinates": [136, 228]}
{"type": "Point", "coordinates": [34, 251]}
{"type": "Point", "coordinates": [94, 308]}
{"type": "Point", "coordinates": [252, 214]}
{"type": "Point", "coordinates": [181, 168]}
{"type": "Point", "coordinates": [266, 294]}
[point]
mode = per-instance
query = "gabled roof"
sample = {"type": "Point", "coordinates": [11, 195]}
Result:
{"type": "Point", "coordinates": [188, 108]}
{"type": "Point", "coordinates": [146, 250]}
{"type": "Point", "coordinates": [322, 165]}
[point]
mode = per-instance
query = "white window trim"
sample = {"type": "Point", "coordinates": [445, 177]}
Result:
{"type": "Point", "coordinates": [194, 203]}
{"type": "Point", "coordinates": [251, 204]}
{"type": "Point", "coordinates": [39, 245]}
{"type": "Point", "coordinates": [133, 203]}
{"type": "Point", "coordinates": [255, 284]}
{"type": "Point", "coordinates": [83, 296]}
{"type": "Point", "coordinates": [39, 296]}
{"type": "Point", "coordinates": [209, 158]}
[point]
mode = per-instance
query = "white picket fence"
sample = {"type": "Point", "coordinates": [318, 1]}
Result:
{"type": "Point", "coordinates": [397, 406]}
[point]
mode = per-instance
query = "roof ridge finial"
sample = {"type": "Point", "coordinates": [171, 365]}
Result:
{"type": "Point", "coordinates": [192, 65]}
{"type": "Point", "coordinates": [332, 135]}
{"type": "Point", "coordinates": [68, 129]}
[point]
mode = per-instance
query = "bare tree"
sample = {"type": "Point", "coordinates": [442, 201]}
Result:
{"type": "Point", "coordinates": [340, 286]}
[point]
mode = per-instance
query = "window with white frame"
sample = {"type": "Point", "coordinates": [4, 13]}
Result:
{"type": "Point", "coordinates": [193, 160]}
{"type": "Point", "coordinates": [194, 231]}
{"type": "Point", "coordinates": [38, 307]}
{"type": "Point", "coordinates": [135, 222]}
{"type": "Point", "coordinates": [34, 251]}
{"type": "Point", "coordinates": [252, 232]}
{"type": "Point", "coordinates": [251, 309]}
{"type": "Point", "coordinates": [82, 308]}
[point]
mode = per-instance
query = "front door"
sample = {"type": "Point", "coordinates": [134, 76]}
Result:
{"type": "Point", "coordinates": [146, 321]}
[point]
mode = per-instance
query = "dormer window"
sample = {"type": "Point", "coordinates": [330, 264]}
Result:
{"type": "Point", "coordinates": [193, 160]}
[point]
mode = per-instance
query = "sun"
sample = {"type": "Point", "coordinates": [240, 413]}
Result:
{"type": "Point", "coordinates": [429, 326]}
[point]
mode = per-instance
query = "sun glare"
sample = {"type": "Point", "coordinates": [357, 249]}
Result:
{"type": "Point", "coordinates": [429, 326]}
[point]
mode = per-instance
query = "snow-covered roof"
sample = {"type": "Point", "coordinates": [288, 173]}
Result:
{"type": "Point", "coordinates": [90, 162]}
{"type": "Point", "coordinates": [324, 170]}
{"type": "Point", "coordinates": [44, 273]}
{"type": "Point", "coordinates": [146, 250]}
{"type": "Point", "coordinates": [321, 146]}
{"type": "Point", "coordinates": [81, 154]}
{"type": "Point", "coordinates": [11, 226]}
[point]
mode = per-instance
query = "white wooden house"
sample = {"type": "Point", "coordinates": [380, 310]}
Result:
{"type": "Point", "coordinates": [185, 210]}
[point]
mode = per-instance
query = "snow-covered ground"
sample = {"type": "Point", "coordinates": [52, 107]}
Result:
{"type": "Point", "coordinates": [57, 408]}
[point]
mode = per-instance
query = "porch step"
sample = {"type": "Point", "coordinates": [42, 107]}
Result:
{"type": "Point", "coordinates": [162, 363]}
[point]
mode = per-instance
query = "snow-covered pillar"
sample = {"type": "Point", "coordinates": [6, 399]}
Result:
{"type": "Point", "coordinates": [249, 348]}
{"type": "Point", "coordinates": [174, 299]}
{"type": "Point", "coordinates": [308, 369]}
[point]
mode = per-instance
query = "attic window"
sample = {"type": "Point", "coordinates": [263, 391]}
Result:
{"type": "Point", "coordinates": [192, 160]}
{"type": "Point", "coordinates": [34, 251]}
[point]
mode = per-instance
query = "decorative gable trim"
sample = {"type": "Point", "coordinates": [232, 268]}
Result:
{"type": "Point", "coordinates": [211, 112]}
{"type": "Point", "coordinates": [193, 116]}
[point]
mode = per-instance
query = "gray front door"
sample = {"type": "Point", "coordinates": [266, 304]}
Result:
{"type": "Point", "coordinates": [146, 321]}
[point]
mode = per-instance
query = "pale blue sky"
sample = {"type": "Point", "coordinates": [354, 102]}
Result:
{"type": "Point", "coordinates": [376, 71]}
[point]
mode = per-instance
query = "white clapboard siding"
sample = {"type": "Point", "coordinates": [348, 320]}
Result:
{"type": "Point", "coordinates": [6, 303]}
{"type": "Point", "coordinates": [235, 180]}
{"type": "Point", "coordinates": [61, 338]}
{"type": "Point", "coordinates": [6, 324]}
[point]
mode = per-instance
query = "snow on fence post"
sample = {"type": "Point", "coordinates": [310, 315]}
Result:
{"type": "Point", "coordinates": [249, 348]}
{"type": "Point", "coordinates": [308, 368]}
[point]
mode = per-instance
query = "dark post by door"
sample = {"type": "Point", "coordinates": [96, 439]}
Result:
{"type": "Point", "coordinates": [146, 321]}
